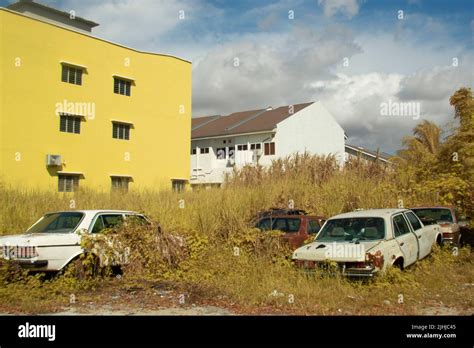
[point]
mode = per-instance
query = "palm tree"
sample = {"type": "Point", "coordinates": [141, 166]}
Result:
{"type": "Point", "coordinates": [425, 140]}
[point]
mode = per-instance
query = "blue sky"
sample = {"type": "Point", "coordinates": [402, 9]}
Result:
{"type": "Point", "coordinates": [352, 55]}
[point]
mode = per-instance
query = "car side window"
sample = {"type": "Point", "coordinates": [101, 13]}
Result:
{"type": "Point", "coordinates": [287, 224]}
{"type": "Point", "coordinates": [400, 225]}
{"type": "Point", "coordinates": [313, 227]}
{"type": "Point", "coordinates": [106, 221]}
{"type": "Point", "coordinates": [265, 224]}
{"type": "Point", "coordinates": [293, 225]}
{"type": "Point", "coordinates": [112, 220]}
{"type": "Point", "coordinates": [415, 223]}
{"type": "Point", "coordinates": [98, 225]}
{"type": "Point", "coordinates": [138, 218]}
{"type": "Point", "coordinates": [280, 224]}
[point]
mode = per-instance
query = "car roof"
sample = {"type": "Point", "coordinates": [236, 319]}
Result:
{"type": "Point", "coordinates": [370, 213]}
{"type": "Point", "coordinates": [434, 207]}
{"type": "Point", "coordinates": [95, 211]}
{"type": "Point", "coordinates": [292, 216]}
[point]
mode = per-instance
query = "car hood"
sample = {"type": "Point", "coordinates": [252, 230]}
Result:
{"type": "Point", "coordinates": [339, 252]}
{"type": "Point", "coordinates": [41, 239]}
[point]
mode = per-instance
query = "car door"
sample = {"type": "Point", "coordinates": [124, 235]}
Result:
{"type": "Point", "coordinates": [406, 239]}
{"type": "Point", "coordinates": [424, 242]}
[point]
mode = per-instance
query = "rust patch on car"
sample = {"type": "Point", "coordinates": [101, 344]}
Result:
{"type": "Point", "coordinates": [375, 259]}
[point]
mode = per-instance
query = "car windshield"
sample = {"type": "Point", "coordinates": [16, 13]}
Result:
{"type": "Point", "coordinates": [352, 230]}
{"type": "Point", "coordinates": [57, 223]}
{"type": "Point", "coordinates": [430, 216]}
{"type": "Point", "coordinates": [280, 223]}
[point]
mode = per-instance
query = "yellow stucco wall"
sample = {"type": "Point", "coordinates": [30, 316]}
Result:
{"type": "Point", "coordinates": [31, 88]}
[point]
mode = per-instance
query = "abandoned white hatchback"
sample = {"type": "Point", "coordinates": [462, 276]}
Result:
{"type": "Point", "coordinates": [362, 243]}
{"type": "Point", "coordinates": [55, 239]}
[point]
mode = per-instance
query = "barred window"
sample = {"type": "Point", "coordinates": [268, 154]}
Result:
{"type": "Point", "coordinates": [178, 185]}
{"type": "Point", "coordinates": [71, 75]}
{"type": "Point", "coordinates": [68, 182]}
{"type": "Point", "coordinates": [121, 131]}
{"type": "Point", "coordinates": [120, 183]}
{"type": "Point", "coordinates": [70, 124]}
{"type": "Point", "coordinates": [122, 87]}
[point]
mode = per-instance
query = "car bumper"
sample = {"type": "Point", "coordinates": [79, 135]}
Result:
{"type": "Point", "coordinates": [359, 272]}
{"type": "Point", "coordinates": [311, 266]}
{"type": "Point", "coordinates": [32, 263]}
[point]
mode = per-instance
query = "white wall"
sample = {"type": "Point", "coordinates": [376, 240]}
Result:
{"type": "Point", "coordinates": [313, 130]}
{"type": "Point", "coordinates": [207, 168]}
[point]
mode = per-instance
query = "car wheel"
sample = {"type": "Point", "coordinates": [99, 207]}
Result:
{"type": "Point", "coordinates": [440, 241]}
{"type": "Point", "coordinates": [398, 264]}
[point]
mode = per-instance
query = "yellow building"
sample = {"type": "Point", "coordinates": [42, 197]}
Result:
{"type": "Point", "coordinates": [79, 110]}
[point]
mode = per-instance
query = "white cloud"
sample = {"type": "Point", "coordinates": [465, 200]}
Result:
{"type": "Point", "coordinates": [298, 61]}
{"type": "Point", "coordinates": [437, 83]}
{"type": "Point", "coordinates": [348, 8]}
{"type": "Point", "coordinates": [141, 24]}
{"type": "Point", "coordinates": [272, 70]}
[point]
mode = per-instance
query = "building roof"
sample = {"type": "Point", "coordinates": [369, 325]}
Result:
{"type": "Point", "coordinates": [381, 155]}
{"type": "Point", "coordinates": [242, 122]}
{"type": "Point", "coordinates": [30, 5]}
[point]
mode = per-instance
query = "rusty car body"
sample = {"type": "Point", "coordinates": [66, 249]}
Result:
{"type": "Point", "coordinates": [444, 216]}
{"type": "Point", "coordinates": [363, 243]}
{"type": "Point", "coordinates": [297, 226]}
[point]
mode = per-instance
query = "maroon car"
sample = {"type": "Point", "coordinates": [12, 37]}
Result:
{"type": "Point", "coordinates": [296, 224]}
{"type": "Point", "coordinates": [445, 216]}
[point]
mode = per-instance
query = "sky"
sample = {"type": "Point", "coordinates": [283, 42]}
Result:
{"type": "Point", "coordinates": [379, 66]}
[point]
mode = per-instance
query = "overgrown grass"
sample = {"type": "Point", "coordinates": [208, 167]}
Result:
{"type": "Point", "coordinates": [226, 258]}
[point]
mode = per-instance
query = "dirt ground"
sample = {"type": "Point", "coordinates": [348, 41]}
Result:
{"type": "Point", "coordinates": [162, 301]}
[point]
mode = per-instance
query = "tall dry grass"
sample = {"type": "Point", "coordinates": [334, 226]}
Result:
{"type": "Point", "coordinates": [217, 221]}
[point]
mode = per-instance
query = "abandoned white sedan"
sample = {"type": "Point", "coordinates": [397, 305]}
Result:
{"type": "Point", "coordinates": [362, 243]}
{"type": "Point", "coordinates": [55, 240]}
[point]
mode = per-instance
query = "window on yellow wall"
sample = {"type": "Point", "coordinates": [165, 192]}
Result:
{"type": "Point", "coordinates": [122, 87]}
{"type": "Point", "coordinates": [121, 131]}
{"type": "Point", "coordinates": [178, 185]}
{"type": "Point", "coordinates": [70, 124]}
{"type": "Point", "coordinates": [68, 183]}
{"type": "Point", "coordinates": [120, 183]}
{"type": "Point", "coordinates": [71, 75]}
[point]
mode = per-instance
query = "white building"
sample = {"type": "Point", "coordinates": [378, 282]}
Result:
{"type": "Point", "coordinates": [357, 152]}
{"type": "Point", "coordinates": [220, 143]}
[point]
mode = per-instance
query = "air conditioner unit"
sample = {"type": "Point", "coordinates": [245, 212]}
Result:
{"type": "Point", "coordinates": [53, 160]}
{"type": "Point", "coordinates": [230, 162]}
